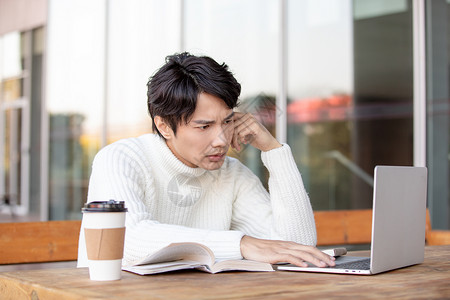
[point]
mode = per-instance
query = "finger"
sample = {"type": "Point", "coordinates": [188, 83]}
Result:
{"type": "Point", "coordinates": [314, 260]}
{"type": "Point", "coordinates": [238, 115]}
{"type": "Point", "coordinates": [251, 131]}
{"type": "Point", "coordinates": [239, 119]}
{"type": "Point", "coordinates": [234, 141]}
{"type": "Point", "coordinates": [319, 258]}
{"type": "Point", "coordinates": [245, 130]}
{"type": "Point", "coordinates": [329, 260]}
{"type": "Point", "coordinates": [292, 259]}
{"type": "Point", "coordinates": [243, 120]}
{"type": "Point", "coordinates": [313, 255]}
{"type": "Point", "coordinates": [308, 257]}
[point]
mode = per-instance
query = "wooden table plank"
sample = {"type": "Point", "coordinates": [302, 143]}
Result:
{"type": "Point", "coordinates": [428, 280]}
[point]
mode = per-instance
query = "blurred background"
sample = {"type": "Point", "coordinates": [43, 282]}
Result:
{"type": "Point", "coordinates": [348, 84]}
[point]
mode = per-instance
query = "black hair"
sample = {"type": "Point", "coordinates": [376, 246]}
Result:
{"type": "Point", "coordinates": [174, 89]}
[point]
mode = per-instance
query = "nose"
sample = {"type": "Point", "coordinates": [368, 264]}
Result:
{"type": "Point", "coordinates": [221, 138]}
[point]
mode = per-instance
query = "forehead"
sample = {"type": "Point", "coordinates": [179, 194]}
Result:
{"type": "Point", "coordinates": [210, 107]}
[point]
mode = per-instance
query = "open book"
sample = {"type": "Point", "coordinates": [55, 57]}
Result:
{"type": "Point", "coordinates": [179, 256]}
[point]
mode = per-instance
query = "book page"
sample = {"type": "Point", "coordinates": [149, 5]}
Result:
{"type": "Point", "coordinates": [181, 251]}
{"type": "Point", "coordinates": [241, 265]}
{"type": "Point", "coordinates": [163, 267]}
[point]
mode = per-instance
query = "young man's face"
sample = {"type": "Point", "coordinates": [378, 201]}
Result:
{"type": "Point", "coordinates": [205, 140]}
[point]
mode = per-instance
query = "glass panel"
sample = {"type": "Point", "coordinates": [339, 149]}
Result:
{"type": "Point", "coordinates": [144, 32]}
{"type": "Point", "coordinates": [320, 90]}
{"type": "Point", "coordinates": [75, 87]}
{"type": "Point", "coordinates": [11, 54]}
{"type": "Point", "coordinates": [13, 158]}
{"type": "Point", "coordinates": [35, 115]}
{"type": "Point", "coordinates": [14, 79]}
{"type": "Point", "coordinates": [350, 96]}
{"type": "Point", "coordinates": [244, 35]}
{"type": "Point", "coordinates": [382, 128]}
{"type": "Point", "coordinates": [438, 122]}
{"type": "Point", "coordinates": [141, 34]}
{"type": "Point", "coordinates": [11, 89]}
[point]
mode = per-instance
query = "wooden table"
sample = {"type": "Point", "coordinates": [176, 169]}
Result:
{"type": "Point", "coordinates": [428, 280]}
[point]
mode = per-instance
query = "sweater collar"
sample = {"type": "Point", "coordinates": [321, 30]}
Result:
{"type": "Point", "coordinates": [172, 162]}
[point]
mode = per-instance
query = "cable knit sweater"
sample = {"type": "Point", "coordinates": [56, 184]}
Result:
{"type": "Point", "coordinates": [170, 202]}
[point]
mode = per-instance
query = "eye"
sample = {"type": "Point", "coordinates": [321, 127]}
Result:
{"type": "Point", "coordinates": [228, 121]}
{"type": "Point", "coordinates": [204, 127]}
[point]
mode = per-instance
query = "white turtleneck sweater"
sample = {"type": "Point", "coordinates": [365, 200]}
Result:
{"type": "Point", "coordinates": [170, 202]}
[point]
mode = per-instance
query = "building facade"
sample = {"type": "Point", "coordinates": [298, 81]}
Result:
{"type": "Point", "coordinates": [348, 84]}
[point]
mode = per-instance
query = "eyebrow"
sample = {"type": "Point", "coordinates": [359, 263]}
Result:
{"type": "Point", "coordinates": [207, 122]}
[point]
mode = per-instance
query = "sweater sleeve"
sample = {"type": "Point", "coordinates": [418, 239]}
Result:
{"type": "Point", "coordinates": [120, 175]}
{"type": "Point", "coordinates": [283, 213]}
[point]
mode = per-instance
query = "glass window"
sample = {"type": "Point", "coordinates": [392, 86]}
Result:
{"type": "Point", "coordinates": [75, 91]}
{"type": "Point", "coordinates": [349, 95]}
{"type": "Point", "coordinates": [382, 123]}
{"type": "Point", "coordinates": [244, 35]}
{"type": "Point", "coordinates": [141, 34]}
{"type": "Point", "coordinates": [320, 91]}
{"type": "Point", "coordinates": [13, 105]}
{"type": "Point", "coordinates": [35, 116]}
{"type": "Point", "coordinates": [10, 60]}
{"type": "Point", "coordinates": [438, 103]}
{"type": "Point", "coordinates": [20, 116]}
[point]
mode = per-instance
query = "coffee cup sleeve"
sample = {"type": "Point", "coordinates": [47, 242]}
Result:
{"type": "Point", "coordinates": [104, 244]}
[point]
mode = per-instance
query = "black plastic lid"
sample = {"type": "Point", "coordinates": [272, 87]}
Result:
{"type": "Point", "coordinates": [104, 206]}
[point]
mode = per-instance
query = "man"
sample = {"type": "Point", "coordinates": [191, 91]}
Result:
{"type": "Point", "coordinates": [179, 185]}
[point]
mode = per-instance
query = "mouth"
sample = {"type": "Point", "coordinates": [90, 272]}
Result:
{"type": "Point", "coordinates": [216, 157]}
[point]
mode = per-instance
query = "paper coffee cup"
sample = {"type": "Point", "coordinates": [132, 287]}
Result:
{"type": "Point", "coordinates": [104, 231]}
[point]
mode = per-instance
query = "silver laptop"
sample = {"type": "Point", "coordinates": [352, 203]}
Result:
{"type": "Point", "coordinates": [398, 224]}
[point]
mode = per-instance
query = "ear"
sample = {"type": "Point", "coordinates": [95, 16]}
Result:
{"type": "Point", "coordinates": [163, 128]}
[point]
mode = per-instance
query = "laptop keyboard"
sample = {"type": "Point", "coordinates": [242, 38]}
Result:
{"type": "Point", "coordinates": [354, 265]}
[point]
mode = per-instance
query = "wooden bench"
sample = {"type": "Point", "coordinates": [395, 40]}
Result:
{"type": "Point", "coordinates": [350, 227]}
{"type": "Point", "coordinates": [39, 241]}
{"type": "Point", "coordinates": [58, 240]}
{"type": "Point", "coordinates": [436, 237]}
{"type": "Point", "coordinates": [343, 227]}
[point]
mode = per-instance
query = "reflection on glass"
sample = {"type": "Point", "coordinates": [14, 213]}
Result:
{"type": "Point", "coordinates": [12, 159]}
{"type": "Point", "coordinates": [35, 115]}
{"type": "Point", "coordinates": [438, 114]}
{"type": "Point", "coordinates": [350, 96]}
{"type": "Point", "coordinates": [382, 132]}
{"type": "Point", "coordinates": [137, 48]}
{"type": "Point", "coordinates": [320, 98]}
{"type": "Point", "coordinates": [71, 152]}
{"type": "Point", "coordinates": [140, 35]}
{"type": "Point", "coordinates": [75, 91]}
{"type": "Point", "coordinates": [244, 35]}
{"type": "Point", "coordinates": [14, 123]}
{"type": "Point", "coordinates": [10, 55]}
